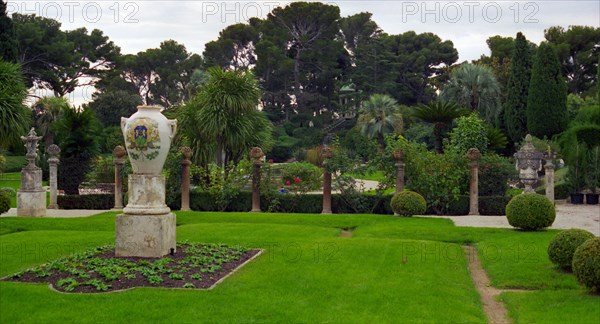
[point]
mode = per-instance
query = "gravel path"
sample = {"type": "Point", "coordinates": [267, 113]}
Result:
{"type": "Point", "coordinates": [61, 213]}
{"type": "Point", "coordinates": [585, 217]}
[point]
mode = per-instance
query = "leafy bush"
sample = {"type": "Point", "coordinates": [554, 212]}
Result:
{"type": "Point", "coordinates": [283, 148]}
{"type": "Point", "coordinates": [301, 176]}
{"type": "Point", "coordinates": [494, 173]}
{"type": "Point", "coordinates": [530, 212]}
{"type": "Point", "coordinates": [563, 246]}
{"type": "Point", "coordinates": [97, 201]}
{"type": "Point", "coordinates": [102, 171]}
{"type": "Point", "coordinates": [586, 263]}
{"type": "Point", "coordinates": [470, 131]}
{"type": "Point", "coordinates": [408, 203]}
{"type": "Point", "coordinates": [224, 184]}
{"type": "Point", "coordinates": [4, 202]}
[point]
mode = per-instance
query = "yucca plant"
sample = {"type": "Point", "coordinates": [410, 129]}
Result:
{"type": "Point", "coordinates": [440, 114]}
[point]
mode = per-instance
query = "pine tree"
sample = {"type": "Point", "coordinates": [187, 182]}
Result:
{"type": "Point", "coordinates": [8, 43]}
{"type": "Point", "coordinates": [547, 100]}
{"type": "Point", "coordinates": [515, 107]}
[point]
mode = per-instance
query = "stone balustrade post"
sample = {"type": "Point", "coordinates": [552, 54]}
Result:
{"type": "Point", "coordinates": [53, 161]}
{"type": "Point", "coordinates": [399, 157]}
{"type": "Point", "coordinates": [256, 154]}
{"type": "Point", "coordinates": [186, 153]}
{"type": "Point", "coordinates": [327, 155]}
{"type": "Point", "coordinates": [549, 167]}
{"type": "Point", "coordinates": [119, 154]}
{"type": "Point", "coordinates": [473, 155]}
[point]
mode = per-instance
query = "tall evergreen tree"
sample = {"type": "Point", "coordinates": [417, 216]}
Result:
{"type": "Point", "coordinates": [515, 107]}
{"type": "Point", "coordinates": [8, 41]}
{"type": "Point", "coordinates": [547, 99]}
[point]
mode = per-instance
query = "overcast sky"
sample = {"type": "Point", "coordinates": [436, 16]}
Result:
{"type": "Point", "coordinates": [138, 25]}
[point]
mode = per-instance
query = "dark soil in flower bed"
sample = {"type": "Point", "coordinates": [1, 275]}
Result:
{"type": "Point", "coordinates": [194, 265]}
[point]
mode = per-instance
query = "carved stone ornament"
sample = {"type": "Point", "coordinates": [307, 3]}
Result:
{"type": "Point", "coordinates": [398, 155]}
{"type": "Point", "coordinates": [473, 154]}
{"type": "Point", "coordinates": [256, 154]}
{"type": "Point", "coordinates": [53, 150]}
{"type": "Point", "coordinates": [327, 152]}
{"type": "Point", "coordinates": [186, 152]}
{"type": "Point", "coordinates": [528, 157]}
{"type": "Point", "coordinates": [119, 152]}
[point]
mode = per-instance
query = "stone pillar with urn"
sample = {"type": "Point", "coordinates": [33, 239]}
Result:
{"type": "Point", "coordinates": [119, 154]}
{"type": "Point", "coordinates": [186, 154]}
{"type": "Point", "coordinates": [53, 161]}
{"type": "Point", "coordinates": [31, 197]}
{"type": "Point", "coordinates": [147, 227]}
{"type": "Point", "coordinates": [327, 155]}
{"type": "Point", "coordinates": [256, 154]}
{"type": "Point", "coordinates": [473, 155]}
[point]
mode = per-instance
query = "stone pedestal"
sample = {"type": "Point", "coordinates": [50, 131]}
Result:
{"type": "Point", "coordinates": [147, 227]}
{"type": "Point", "coordinates": [53, 150]}
{"type": "Point", "coordinates": [549, 180]}
{"type": "Point", "coordinates": [31, 197]}
{"type": "Point", "coordinates": [399, 157]}
{"type": "Point", "coordinates": [31, 203]}
{"type": "Point", "coordinates": [473, 155]}
{"type": "Point", "coordinates": [256, 154]}
{"type": "Point", "coordinates": [150, 236]}
{"type": "Point", "coordinates": [327, 154]}
{"type": "Point", "coordinates": [186, 152]}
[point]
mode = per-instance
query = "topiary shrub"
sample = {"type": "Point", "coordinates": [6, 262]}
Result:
{"type": "Point", "coordinates": [408, 203]}
{"type": "Point", "coordinates": [586, 263]}
{"type": "Point", "coordinates": [4, 202]}
{"type": "Point", "coordinates": [564, 244]}
{"type": "Point", "coordinates": [530, 212]}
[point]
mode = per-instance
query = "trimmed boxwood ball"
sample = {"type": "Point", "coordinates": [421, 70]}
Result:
{"type": "Point", "coordinates": [564, 244]}
{"type": "Point", "coordinates": [530, 212]}
{"type": "Point", "coordinates": [586, 263]}
{"type": "Point", "coordinates": [408, 203]}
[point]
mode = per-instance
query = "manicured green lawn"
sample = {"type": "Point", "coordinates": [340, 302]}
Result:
{"type": "Point", "coordinates": [391, 270]}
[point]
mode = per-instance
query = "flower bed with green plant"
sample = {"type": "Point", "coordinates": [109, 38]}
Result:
{"type": "Point", "coordinates": [193, 265]}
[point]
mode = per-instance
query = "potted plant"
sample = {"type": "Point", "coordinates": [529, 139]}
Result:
{"type": "Point", "coordinates": [591, 175]}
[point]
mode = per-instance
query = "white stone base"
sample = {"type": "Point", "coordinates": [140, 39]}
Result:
{"type": "Point", "coordinates": [149, 236]}
{"type": "Point", "coordinates": [146, 195]}
{"type": "Point", "coordinates": [31, 203]}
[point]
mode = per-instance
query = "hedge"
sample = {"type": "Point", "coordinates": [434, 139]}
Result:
{"type": "Point", "coordinates": [313, 203]}
{"type": "Point", "coordinates": [96, 201]}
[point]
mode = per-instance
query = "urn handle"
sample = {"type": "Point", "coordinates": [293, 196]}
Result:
{"type": "Point", "coordinates": [123, 122]}
{"type": "Point", "coordinates": [173, 124]}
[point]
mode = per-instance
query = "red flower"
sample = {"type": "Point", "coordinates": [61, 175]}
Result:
{"type": "Point", "coordinates": [287, 182]}
{"type": "Point", "coordinates": [271, 161]}
{"type": "Point", "coordinates": [297, 180]}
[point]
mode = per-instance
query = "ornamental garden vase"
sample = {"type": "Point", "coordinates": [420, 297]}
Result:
{"type": "Point", "coordinates": [148, 135]}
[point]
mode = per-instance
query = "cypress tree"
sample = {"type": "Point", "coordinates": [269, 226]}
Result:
{"type": "Point", "coordinates": [515, 106]}
{"type": "Point", "coordinates": [547, 99]}
{"type": "Point", "coordinates": [8, 42]}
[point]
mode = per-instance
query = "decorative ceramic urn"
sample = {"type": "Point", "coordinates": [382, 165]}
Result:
{"type": "Point", "coordinates": [148, 135]}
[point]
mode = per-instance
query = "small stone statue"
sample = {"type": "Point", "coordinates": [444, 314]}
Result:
{"type": "Point", "coordinates": [31, 143]}
{"type": "Point", "coordinates": [529, 162]}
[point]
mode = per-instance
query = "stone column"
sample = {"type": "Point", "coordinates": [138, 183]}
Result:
{"type": "Point", "coordinates": [399, 157]}
{"type": "Point", "coordinates": [473, 155]}
{"type": "Point", "coordinates": [327, 154]}
{"type": "Point", "coordinates": [549, 167]}
{"type": "Point", "coordinates": [119, 153]}
{"type": "Point", "coordinates": [186, 153]}
{"type": "Point", "coordinates": [31, 197]}
{"type": "Point", "coordinates": [256, 154]}
{"type": "Point", "coordinates": [53, 150]}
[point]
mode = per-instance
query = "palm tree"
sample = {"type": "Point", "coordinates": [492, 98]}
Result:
{"type": "Point", "coordinates": [222, 120]}
{"type": "Point", "coordinates": [440, 114]}
{"type": "Point", "coordinates": [378, 116]}
{"type": "Point", "coordinates": [14, 116]}
{"type": "Point", "coordinates": [474, 86]}
{"type": "Point", "coordinates": [45, 113]}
